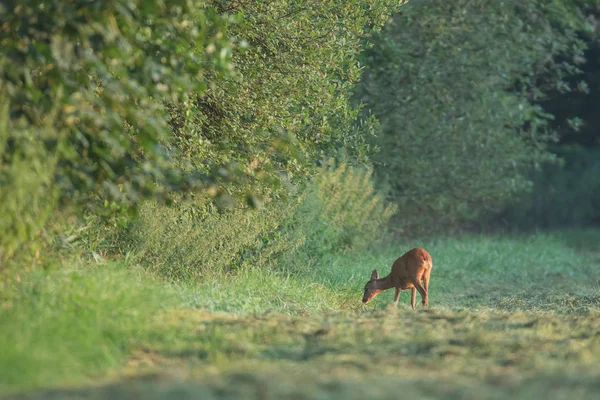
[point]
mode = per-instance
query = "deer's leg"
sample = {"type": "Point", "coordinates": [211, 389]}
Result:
{"type": "Point", "coordinates": [397, 296]}
{"type": "Point", "coordinates": [426, 281]}
{"type": "Point", "coordinates": [413, 297]}
{"type": "Point", "coordinates": [416, 281]}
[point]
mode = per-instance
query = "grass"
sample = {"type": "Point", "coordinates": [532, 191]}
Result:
{"type": "Point", "coordinates": [555, 272]}
{"type": "Point", "coordinates": [509, 317]}
{"type": "Point", "coordinates": [67, 326]}
{"type": "Point", "coordinates": [254, 291]}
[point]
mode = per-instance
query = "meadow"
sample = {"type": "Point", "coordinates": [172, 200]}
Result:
{"type": "Point", "coordinates": [510, 316]}
{"type": "Point", "coordinates": [193, 195]}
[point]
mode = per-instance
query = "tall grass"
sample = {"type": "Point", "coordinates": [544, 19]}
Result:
{"type": "Point", "coordinates": [256, 291]}
{"type": "Point", "coordinates": [74, 324]}
{"type": "Point", "coordinates": [176, 244]}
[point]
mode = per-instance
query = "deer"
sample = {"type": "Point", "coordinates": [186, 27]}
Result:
{"type": "Point", "coordinates": [407, 272]}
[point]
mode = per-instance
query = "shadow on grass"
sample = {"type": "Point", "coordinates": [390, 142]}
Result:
{"type": "Point", "coordinates": [537, 299]}
{"type": "Point", "coordinates": [585, 240]}
{"type": "Point", "coordinates": [429, 353]}
{"type": "Point", "coordinates": [301, 385]}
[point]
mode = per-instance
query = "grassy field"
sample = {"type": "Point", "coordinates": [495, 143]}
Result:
{"type": "Point", "coordinates": [509, 317]}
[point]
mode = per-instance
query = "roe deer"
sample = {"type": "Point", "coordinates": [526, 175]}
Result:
{"type": "Point", "coordinates": [407, 273]}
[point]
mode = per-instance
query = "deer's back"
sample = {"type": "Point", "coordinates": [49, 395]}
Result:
{"type": "Point", "coordinates": [413, 262]}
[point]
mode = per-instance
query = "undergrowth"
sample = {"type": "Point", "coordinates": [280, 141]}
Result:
{"type": "Point", "coordinates": [338, 212]}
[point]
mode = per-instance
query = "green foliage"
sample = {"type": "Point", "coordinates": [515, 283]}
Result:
{"type": "Point", "coordinates": [455, 90]}
{"type": "Point", "coordinates": [27, 195]}
{"type": "Point", "coordinates": [338, 212]}
{"type": "Point", "coordinates": [288, 103]}
{"type": "Point", "coordinates": [103, 70]}
{"type": "Point", "coordinates": [69, 326]}
{"type": "Point", "coordinates": [567, 194]}
{"type": "Point", "coordinates": [85, 84]}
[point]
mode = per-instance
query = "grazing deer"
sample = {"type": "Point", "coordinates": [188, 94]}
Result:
{"type": "Point", "coordinates": [407, 273]}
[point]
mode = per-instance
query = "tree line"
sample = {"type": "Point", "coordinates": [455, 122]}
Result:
{"type": "Point", "coordinates": [110, 103]}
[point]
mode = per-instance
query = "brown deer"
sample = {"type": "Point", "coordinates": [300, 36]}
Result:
{"type": "Point", "coordinates": [407, 273]}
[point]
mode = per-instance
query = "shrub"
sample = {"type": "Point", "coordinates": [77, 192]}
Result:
{"type": "Point", "coordinates": [295, 76]}
{"type": "Point", "coordinates": [101, 73]}
{"type": "Point", "coordinates": [339, 211]}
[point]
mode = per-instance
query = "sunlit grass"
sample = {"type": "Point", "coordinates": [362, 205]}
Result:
{"type": "Point", "coordinates": [67, 326]}
{"type": "Point", "coordinates": [256, 291]}
{"type": "Point", "coordinates": [543, 271]}
{"type": "Point", "coordinates": [505, 312]}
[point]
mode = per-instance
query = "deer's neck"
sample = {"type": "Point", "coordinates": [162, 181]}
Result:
{"type": "Point", "coordinates": [385, 283]}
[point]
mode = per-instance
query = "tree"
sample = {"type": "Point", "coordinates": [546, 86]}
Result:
{"type": "Point", "coordinates": [455, 85]}
{"type": "Point", "coordinates": [104, 70]}
{"type": "Point", "coordinates": [127, 100]}
{"type": "Point", "coordinates": [288, 105]}
{"type": "Point", "coordinates": [84, 85]}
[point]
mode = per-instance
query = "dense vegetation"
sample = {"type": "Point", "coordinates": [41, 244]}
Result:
{"type": "Point", "coordinates": [458, 91]}
{"type": "Point", "coordinates": [131, 100]}
{"type": "Point", "coordinates": [170, 172]}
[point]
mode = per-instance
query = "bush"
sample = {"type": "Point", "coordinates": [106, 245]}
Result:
{"type": "Point", "coordinates": [295, 77]}
{"type": "Point", "coordinates": [85, 85]}
{"type": "Point", "coordinates": [101, 73]}
{"type": "Point", "coordinates": [339, 211]}
{"type": "Point", "coordinates": [121, 76]}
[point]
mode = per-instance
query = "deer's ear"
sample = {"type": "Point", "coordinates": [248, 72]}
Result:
{"type": "Point", "coordinates": [375, 274]}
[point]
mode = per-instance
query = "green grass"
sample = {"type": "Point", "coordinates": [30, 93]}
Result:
{"type": "Point", "coordinates": [509, 317]}
{"type": "Point", "coordinates": [68, 326]}
{"type": "Point", "coordinates": [255, 291]}
{"type": "Point", "coordinates": [556, 272]}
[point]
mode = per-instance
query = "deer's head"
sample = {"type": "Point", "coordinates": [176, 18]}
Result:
{"type": "Point", "coordinates": [371, 289]}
